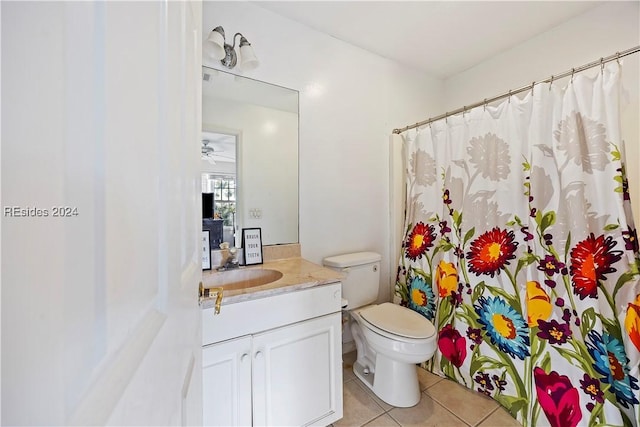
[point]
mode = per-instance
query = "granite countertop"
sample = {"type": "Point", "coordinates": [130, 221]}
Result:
{"type": "Point", "coordinates": [297, 273]}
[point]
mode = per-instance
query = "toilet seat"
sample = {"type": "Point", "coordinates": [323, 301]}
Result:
{"type": "Point", "coordinates": [397, 322]}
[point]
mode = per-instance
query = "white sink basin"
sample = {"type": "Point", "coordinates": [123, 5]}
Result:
{"type": "Point", "coordinates": [242, 278]}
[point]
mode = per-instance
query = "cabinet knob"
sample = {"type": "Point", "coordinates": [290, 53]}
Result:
{"type": "Point", "coordinates": [258, 355]}
{"type": "Point", "coordinates": [336, 295]}
{"type": "Point", "coordinates": [244, 357]}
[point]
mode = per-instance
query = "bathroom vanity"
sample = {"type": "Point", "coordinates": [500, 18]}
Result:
{"type": "Point", "coordinates": [272, 356]}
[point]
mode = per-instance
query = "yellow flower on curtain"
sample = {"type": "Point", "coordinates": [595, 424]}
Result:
{"type": "Point", "coordinates": [446, 278]}
{"type": "Point", "coordinates": [632, 322]}
{"type": "Point", "coordinates": [538, 304]}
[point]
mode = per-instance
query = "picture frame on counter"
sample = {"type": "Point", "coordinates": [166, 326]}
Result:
{"type": "Point", "coordinates": [252, 245]}
{"type": "Point", "coordinates": [206, 250]}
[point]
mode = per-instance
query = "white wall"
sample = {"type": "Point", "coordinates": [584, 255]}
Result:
{"type": "Point", "coordinates": [599, 32]}
{"type": "Point", "coordinates": [350, 100]}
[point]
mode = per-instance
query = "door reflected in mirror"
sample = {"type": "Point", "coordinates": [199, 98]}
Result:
{"type": "Point", "coordinates": [249, 159]}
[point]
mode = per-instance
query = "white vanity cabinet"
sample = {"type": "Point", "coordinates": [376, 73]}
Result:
{"type": "Point", "coordinates": [275, 360]}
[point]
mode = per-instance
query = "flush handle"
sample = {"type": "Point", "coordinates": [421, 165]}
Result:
{"type": "Point", "coordinates": [375, 268]}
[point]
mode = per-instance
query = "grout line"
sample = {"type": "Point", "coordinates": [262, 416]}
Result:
{"type": "Point", "coordinates": [451, 412]}
{"type": "Point", "coordinates": [448, 410]}
{"type": "Point", "coordinates": [391, 416]}
{"type": "Point", "coordinates": [487, 416]}
{"type": "Point", "coordinates": [371, 396]}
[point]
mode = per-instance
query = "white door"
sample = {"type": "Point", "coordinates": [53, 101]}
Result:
{"type": "Point", "coordinates": [101, 119]}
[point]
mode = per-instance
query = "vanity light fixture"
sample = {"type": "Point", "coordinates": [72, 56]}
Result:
{"type": "Point", "coordinates": [226, 53]}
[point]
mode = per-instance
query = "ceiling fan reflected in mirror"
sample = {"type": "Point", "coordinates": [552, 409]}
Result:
{"type": "Point", "coordinates": [207, 151]}
{"type": "Point", "coordinates": [218, 147]}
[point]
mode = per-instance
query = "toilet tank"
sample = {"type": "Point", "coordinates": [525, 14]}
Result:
{"type": "Point", "coordinates": [362, 276]}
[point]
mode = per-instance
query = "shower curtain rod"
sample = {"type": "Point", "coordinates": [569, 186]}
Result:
{"type": "Point", "coordinates": [616, 56]}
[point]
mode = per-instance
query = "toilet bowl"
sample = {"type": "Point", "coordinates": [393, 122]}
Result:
{"type": "Point", "coordinates": [390, 341]}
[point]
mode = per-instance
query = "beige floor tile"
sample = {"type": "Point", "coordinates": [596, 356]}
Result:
{"type": "Point", "coordinates": [358, 407]}
{"type": "Point", "coordinates": [427, 413]}
{"type": "Point", "coordinates": [468, 405]}
{"type": "Point", "coordinates": [350, 356]}
{"type": "Point", "coordinates": [427, 379]}
{"type": "Point", "coordinates": [347, 366]}
{"type": "Point", "coordinates": [379, 401]}
{"type": "Point", "coordinates": [500, 418]}
{"type": "Point", "coordinates": [383, 420]}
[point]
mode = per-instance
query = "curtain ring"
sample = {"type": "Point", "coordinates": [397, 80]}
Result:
{"type": "Point", "coordinates": [618, 58]}
{"type": "Point", "coordinates": [551, 83]}
{"type": "Point", "coordinates": [601, 65]}
{"type": "Point", "coordinates": [464, 110]}
{"type": "Point", "coordinates": [573, 71]}
{"type": "Point", "coordinates": [429, 120]}
{"type": "Point", "coordinates": [509, 96]}
{"type": "Point", "coordinates": [533, 83]}
{"type": "Point", "coordinates": [446, 117]}
{"type": "Point", "coordinates": [485, 104]}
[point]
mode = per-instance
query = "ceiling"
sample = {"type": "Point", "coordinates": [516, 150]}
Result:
{"type": "Point", "coordinates": [441, 38]}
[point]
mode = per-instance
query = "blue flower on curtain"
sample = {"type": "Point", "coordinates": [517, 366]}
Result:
{"type": "Point", "coordinates": [611, 362]}
{"type": "Point", "coordinates": [422, 298]}
{"type": "Point", "coordinates": [504, 326]}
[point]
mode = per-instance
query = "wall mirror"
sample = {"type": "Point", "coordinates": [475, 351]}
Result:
{"type": "Point", "coordinates": [249, 159]}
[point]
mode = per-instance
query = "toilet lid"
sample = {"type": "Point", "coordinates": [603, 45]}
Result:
{"type": "Point", "coordinates": [398, 320]}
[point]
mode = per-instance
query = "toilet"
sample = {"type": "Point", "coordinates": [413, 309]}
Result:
{"type": "Point", "coordinates": [390, 339]}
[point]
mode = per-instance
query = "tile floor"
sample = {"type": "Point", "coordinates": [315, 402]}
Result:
{"type": "Point", "coordinates": [444, 403]}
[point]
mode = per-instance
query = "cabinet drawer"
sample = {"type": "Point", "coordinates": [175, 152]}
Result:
{"type": "Point", "coordinates": [253, 316]}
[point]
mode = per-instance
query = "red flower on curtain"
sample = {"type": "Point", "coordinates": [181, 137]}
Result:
{"type": "Point", "coordinates": [452, 345]}
{"type": "Point", "coordinates": [558, 398]}
{"type": "Point", "coordinates": [420, 239]}
{"type": "Point", "coordinates": [591, 259]}
{"type": "Point", "coordinates": [491, 251]}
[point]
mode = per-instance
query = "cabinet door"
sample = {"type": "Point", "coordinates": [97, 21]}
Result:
{"type": "Point", "coordinates": [226, 383]}
{"type": "Point", "coordinates": [297, 373]}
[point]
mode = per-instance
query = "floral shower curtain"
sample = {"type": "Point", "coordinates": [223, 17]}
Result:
{"type": "Point", "coordinates": [520, 248]}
